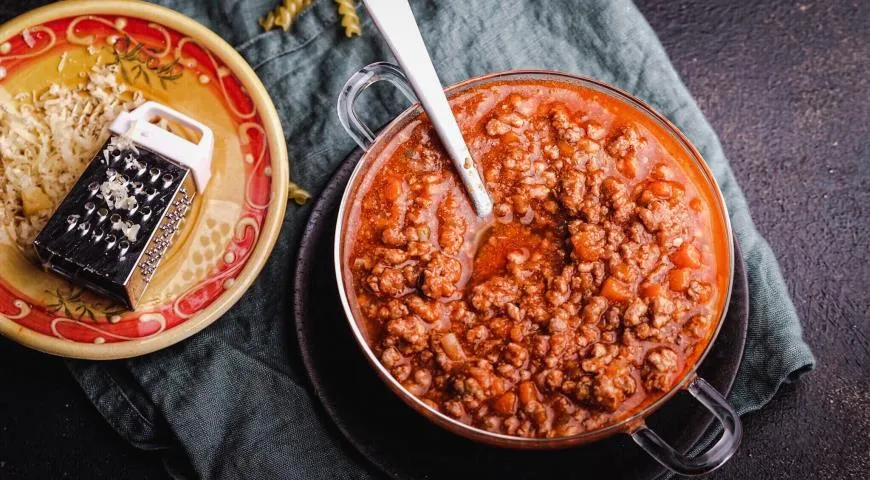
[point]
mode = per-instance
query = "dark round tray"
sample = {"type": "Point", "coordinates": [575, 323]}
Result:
{"type": "Point", "coordinates": [404, 445]}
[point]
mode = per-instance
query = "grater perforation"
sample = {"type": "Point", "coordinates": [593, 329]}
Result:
{"type": "Point", "coordinates": [118, 221]}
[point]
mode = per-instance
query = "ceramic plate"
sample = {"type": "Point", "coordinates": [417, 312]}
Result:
{"type": "Point", "coordinates": [233, 225]}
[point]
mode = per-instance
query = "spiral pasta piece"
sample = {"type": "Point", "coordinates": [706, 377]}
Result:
{"type": "Point", "coordinates": [349, 18]}
{"type": "Point", "coordinates": [284, 14]}
{"type": "Point", "coordinates": [297, 193]}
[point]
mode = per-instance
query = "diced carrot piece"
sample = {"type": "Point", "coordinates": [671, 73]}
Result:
{"type": "Point", "coordinates": [649, 290]}
{"type": "Point", "coordinates": [565, 148]}
{"type": "Point", "coordinates": [518, 332]}
{"type": "Point", "coordinates": [510, 137]}
{"type": "Point", "coordinates": [586, 246]}
{"type": "Point", "coordinates": [506, 404]}
{"type": "Point", "coordinates": [588, 146]}
{"type": "Point", "coordinates": [623, 272]}
{"type": "Point", "coordinates": [483, 377]}
{"type": "Point", "coordinates": [528, 392]}
{"type": "Point", "coordinates": [679, 279]}
{"type": "Point", "coordinates": [587, 253]}
{"type": "Point", "coordinates": [687, 256]}
{"type": "Point", "coordinates": [661, 189]}
{"type": "Point", "coordinates": [498, 386]}
{"type": "Point", "coordinates": [615, 290]}
{"type": "Point", "coordinates": [393, 189]}
{"type": "Point", "coordinates": [627, 166]}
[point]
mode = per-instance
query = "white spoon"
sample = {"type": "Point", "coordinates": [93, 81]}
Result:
{"type": "Point", "coordinates": [397, 25]}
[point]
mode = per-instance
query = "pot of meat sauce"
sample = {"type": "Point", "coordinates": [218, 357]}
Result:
{"type": "Point", "coordinates": [588, 299]}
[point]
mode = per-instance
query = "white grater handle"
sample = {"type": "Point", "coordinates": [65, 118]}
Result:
{"type": "Point", "coordinates": [136, 125]}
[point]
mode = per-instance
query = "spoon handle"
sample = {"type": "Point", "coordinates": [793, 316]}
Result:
{"type": "Point", "coordinates": [397, 25]}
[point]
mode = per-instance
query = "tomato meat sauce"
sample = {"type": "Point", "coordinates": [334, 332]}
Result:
{"type": "Point", "coordinates": [595, 286]}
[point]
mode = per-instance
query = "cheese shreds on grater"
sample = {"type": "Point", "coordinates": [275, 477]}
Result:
{"type": "Point", "coordinates": [116, 224]}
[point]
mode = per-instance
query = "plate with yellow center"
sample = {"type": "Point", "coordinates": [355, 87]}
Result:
{"type": "Point", "coordinates": [65, 71]}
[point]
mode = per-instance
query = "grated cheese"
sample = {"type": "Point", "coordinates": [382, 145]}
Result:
{"type": "Point", "coordinates": [115, 192]}
{"type": "Point", "coordinates": [131, 163]}
{"type": "Point", "coordinates": [47, 138]}
{"type": "Point", "coordinates": [123, 142]}
{"type": "Point", "coordinates": [128, 229]}
{"type": "Point", "coordinates": [62, 62]}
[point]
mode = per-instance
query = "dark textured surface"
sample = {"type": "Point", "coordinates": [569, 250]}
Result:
{"type": "Point", "coordinates": [378, 424]}
{"type": "Point", "coordinates": [785, 85]}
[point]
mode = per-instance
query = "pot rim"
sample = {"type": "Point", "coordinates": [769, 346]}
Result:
{"type": "Point", "coordinates": [625, 425]}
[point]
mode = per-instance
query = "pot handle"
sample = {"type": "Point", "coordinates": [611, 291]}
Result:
{"type": "Point", "coordinates": [716, 455]}
{"type": "Point", "coordinates": [355, 85]}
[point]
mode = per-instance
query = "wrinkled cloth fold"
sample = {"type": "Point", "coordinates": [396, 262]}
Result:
{"type": "Point", "coordinates": [232, 401]}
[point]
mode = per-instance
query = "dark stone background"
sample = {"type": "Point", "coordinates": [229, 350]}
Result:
{"type": "Point", "coordinates": [787, 87]}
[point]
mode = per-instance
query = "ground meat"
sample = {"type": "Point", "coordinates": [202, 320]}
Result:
{"type": "Point", "coordinates": [698, 325]}
{"type": "Point", "coordinates": [429, 311]}
{"type": "Point", "coordinates": [451, 230]}
{"type": "Point", "coordinates": [386, 281]}
{"type": "Point", "coordinates": [659, 369]}
{"type": "Point", "coordinates": [516, 355]}
{"type": "Point", "coordinates": [409, 331]}
{"type": "Point", "coordinates": [454, 408]}
{"type": "Point", "coordinates": [496, 127]}
{"type": "Point", "coordinates": [441, 275]}
{"type": "Point", "coordinates": [588, 293]}
{"type": "Point", "coordinates": [616, 197]}
{"type": "Point", "coordinates": [566, 129]}
{"type": "Point", "coordinates": [572, 191]}
{"type": "Point", "coordinates": [391, 256]}
{"type": "Point", "coordinates": [656, 216]}
{"type": "Point", "coordinates": [593, 309]}
{"type": "Point", "coordinates": [477, 334]}
{"type": "Point", "coordinates": [391, 358]}
{"type": "Point", "coordinates": [609, 391]}
{"type": "Point", "coordinates": [700, 292]}
{"type": "Point", "coordinates": [595, 131]}
{"type": "Point", "coordinates": [627, 141]}
{"type": "Point", "coordinates": [634, 313]}
{"type": "Point", "coordinates": [494, 294]}
{"type": "Point", "coordinates": [587, 240]}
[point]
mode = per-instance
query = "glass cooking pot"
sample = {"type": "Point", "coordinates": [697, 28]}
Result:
{"type": "Point", "coordinates": [633, 425]}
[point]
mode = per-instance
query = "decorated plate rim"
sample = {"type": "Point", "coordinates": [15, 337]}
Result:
{"type": "Point", "coordinates": [279, 185]}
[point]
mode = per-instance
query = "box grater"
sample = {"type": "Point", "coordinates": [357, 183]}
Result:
{"type": "Point", "coordinates": [115, 226]}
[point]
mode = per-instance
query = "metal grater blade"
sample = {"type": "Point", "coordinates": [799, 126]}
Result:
{"type": "Point", "coordinates": [85, 238]}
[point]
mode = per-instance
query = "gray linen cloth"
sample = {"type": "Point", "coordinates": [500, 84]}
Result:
{"type": "Point", "coordinates": [231, 401]}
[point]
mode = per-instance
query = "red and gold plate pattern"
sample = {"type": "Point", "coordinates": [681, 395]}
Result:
{"type": "Point", "coordinates": [233, 225]}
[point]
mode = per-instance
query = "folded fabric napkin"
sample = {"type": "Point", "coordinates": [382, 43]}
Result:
{"type": "Point", "coordinates": [231, 401]}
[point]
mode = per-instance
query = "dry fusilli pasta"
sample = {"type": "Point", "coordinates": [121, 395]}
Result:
{"type": "Point", "coordinates": [349, 18]}
{"type": "Point", "coordinates": [284, 14]}
{"type": "Point", "coordinates": [297, 193]}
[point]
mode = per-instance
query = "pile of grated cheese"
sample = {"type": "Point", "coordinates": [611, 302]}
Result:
{"type": "Point", "coordinates": [46, 141]}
